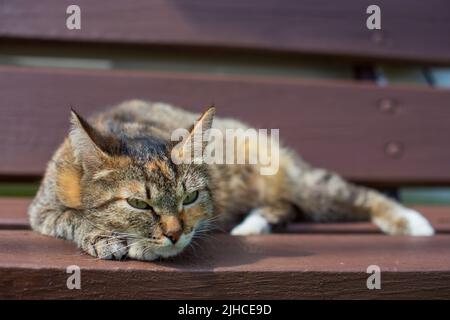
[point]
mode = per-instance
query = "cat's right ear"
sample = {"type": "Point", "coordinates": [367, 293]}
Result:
{"type": "Point", "coordinates": [86, 143]}
{"type": "Point", "coordinates": [191, 149]}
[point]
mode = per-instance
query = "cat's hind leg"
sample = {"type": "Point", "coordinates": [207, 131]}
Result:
{"type": "Point", "coordinates": [328, 197]}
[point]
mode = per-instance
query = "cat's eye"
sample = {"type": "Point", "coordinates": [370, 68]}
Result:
{"type": "Point", "coordinates": [138, 204]}
{"type": "Point", "coordinates": [190, 198]}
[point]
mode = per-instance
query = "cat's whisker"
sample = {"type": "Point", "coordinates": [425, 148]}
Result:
{"type": "Point", "coordinates": [129, 235]}
{"type": "Point", "coordinates": [149, 247]}
{"type": "Point", "coordinates": [146, 249]}
{"type": "Point", "coordinates": [206, 228]}
{"type": "Point", "coordinates": [193, 246]}
{"type": "Point", "coordinates": [211, 222]}
{"type": "Point", "coordinates": [204, 236]}
{"type": "Point", "coordinates": [204, 231]}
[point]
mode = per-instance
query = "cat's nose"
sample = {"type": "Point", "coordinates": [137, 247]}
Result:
{"type": "Point", "coordinates": [173, 236]}
{"type": "Point", "coordinates": [172, 228]}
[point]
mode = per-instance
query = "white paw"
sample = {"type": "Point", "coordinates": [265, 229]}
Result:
{"type": "Point", "coordinates": [140, 251]}
{"type": "Point", "coordinates": [111, 249]}
{"type": "Point", "coordinates": [405, 221]}
{"type": "Point", "coordinates": [253, 224]}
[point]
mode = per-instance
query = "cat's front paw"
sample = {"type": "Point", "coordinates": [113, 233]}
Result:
{"type": "Point", "coordinates": [106, 247]}
{"type": "Point", "coordinates": [404, 221]}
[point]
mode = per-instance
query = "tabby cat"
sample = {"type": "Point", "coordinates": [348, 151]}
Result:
{"type": "Point", "coordinates": [113, 188]}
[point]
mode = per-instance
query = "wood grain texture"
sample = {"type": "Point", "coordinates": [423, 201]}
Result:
{"type": "Point", "coordinates": [258, 267]}
{"type": "Point", "coordinates": [343, 126]}
{"type": "Point", "coordinates": [411, 30]}
{"type": "Point", "coordinates": [13, 215]}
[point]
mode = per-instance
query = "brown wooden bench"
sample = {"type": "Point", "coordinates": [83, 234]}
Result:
{"type": "Point", "coordinates": [381, 136]}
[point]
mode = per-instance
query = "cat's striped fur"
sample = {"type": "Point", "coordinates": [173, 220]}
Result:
{"type": "Point", "coordinates": [125, 152]}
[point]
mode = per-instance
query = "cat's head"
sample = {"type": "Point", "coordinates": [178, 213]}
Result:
{"type": "Point", "coordinates": [128, 184]}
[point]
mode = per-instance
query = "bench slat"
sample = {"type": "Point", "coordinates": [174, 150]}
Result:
{"type": "Point", "coordinates": [336, 125]}
{"type": "Point", "coordinates": [275, 266]}
{"type": "Point", "coordinates": [411, 30]}
{"type": "Point", "coordinates": [13, 216]}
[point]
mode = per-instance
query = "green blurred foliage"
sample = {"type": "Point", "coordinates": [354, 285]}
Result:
{"type": "Point", "coordinates": [18, 189]}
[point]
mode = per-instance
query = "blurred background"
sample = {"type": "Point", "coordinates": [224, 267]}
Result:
{"type": "Point", "coordinates": [309, 43]}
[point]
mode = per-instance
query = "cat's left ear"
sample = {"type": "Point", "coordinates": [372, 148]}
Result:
{"type": "Point", "coordinates": [87, 143]}
{"type": "Point", "coordinates": [193, 145]}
